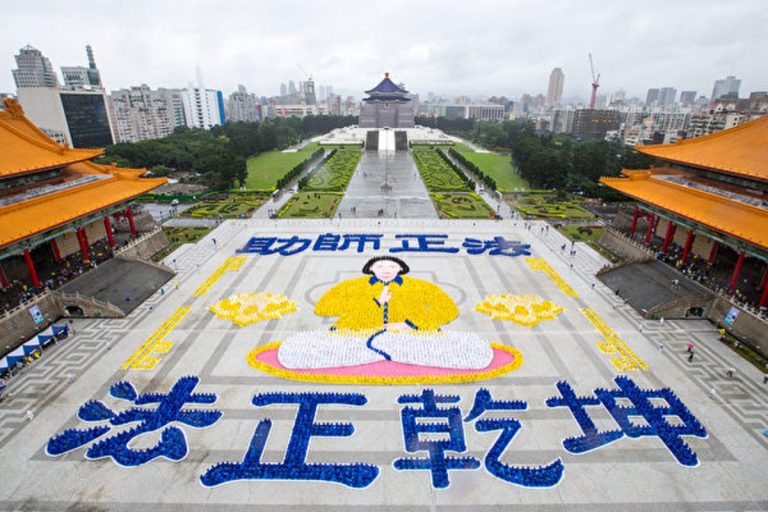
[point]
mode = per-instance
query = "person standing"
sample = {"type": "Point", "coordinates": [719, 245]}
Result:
{"type": "Point", "coordinates": [690, 356]}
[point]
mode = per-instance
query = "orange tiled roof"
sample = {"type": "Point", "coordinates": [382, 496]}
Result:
{"type": "Point", "coordinates": [742, 150]}
{"type": "Point", "coordinates": [25, 219]}
{"type": "Point", "coordinates": [26, 148]}
{"type": "Point", "coordinates": [739, 220]}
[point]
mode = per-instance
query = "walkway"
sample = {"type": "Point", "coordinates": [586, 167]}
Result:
{"type": "Point", "coordinates": [389, 182]}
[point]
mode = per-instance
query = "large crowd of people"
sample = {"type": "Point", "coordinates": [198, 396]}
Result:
{"type": "Point", "coordinates": [53, 275]}
{"type": "Point", "coordinates": [716, 279]}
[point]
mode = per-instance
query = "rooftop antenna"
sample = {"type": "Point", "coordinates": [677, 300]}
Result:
{"type": "Point", "coordinates": [91, 60]}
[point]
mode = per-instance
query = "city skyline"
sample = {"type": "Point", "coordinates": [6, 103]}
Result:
{"type": "Point", "coordinates": [505, 49]}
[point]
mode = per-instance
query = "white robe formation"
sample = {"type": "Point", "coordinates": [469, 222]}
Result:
{"type": "Point", "coordinates": [332, 349]}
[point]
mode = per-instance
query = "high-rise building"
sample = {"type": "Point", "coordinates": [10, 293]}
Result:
{"type": "Point", "coordinates": [727, 85]}
{"type": "Point", "coordinates": [321, 94]}
{"type": "Point", "coordinates": [78, 117]}
{"type": "Point", "coordinates": [334, 104]}
{"type": "Point", "coordinates": [81, 77]}
{"type": "Point", "coordinates": [555, 89]}
{"type": "Point", "coordinates": [667, 96]}
{"type": "Point", "coordinates": [595, 123]}
{"type": "Point", "coordinates": [283, 90]}
{"type": "Point", "coordinates": [687, 98]}
{"type": "Point", "coordinates": [292, 88]}
{"type": "Point", "coordinates": [35, 70]}
{"type": "Point", "coordinates": [87, 117]}
{"type": "Point", "coordinates": [139, 113]}
{"type": "Point", "coordinates": [203, 108]}
{"type": "Point", "coordinates": [308, 92]}
{"type": "Point", "coordinates": [652, 97]}
{"type": "Point", "coordinates": [243, 106]}
{"type": "Point", "coordinates": [562, 120]}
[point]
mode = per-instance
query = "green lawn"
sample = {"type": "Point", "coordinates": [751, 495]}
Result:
{"type": "Point", "coordinates": [590, 235]}
{"type": "Point", "coordinates": [178, 236]}
{"type": "Point", "coordinates": [265, 169]}
{"type": "Point", "coordinates": [311, 205]}
{"type": "Point", "coordinates": [438, 176]}
{"type": "Point", "coordinates": [335, 174]}
{"type": "Point", "coordinates": [499, 167]}
{"type": "Point", "coordinates": [582, 233]}
{"type": "Point", "coordinates": [234, 206]}
{"type": "Point", "coordinates": [563, 210]}
{"type": "Point", "coordinates": [461, 206]}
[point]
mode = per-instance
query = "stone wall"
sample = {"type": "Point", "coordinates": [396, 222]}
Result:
{"type": "Point", "coordinates": [623, 247]}
{"type": "Point", "coordinates": [145, 246]}
{"type": "Point", "coordinates": [17, 326]}
{"type": "Point", "coordinates": [747, 327]}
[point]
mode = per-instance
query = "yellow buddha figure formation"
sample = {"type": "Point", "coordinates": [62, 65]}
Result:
{"type": "Point", "coordinates": [386, 315]}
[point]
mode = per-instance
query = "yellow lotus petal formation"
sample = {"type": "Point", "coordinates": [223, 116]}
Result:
{"type": "Point", "coordinates": [248, 308]}
{"type": "Point", "coordinates": [528, 310]}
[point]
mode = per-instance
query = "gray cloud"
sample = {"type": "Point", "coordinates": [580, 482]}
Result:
{"type": "Point", "coordinates": [453, 47]}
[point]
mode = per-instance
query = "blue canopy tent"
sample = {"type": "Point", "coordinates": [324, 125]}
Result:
{"type": "Point", "coordinates": [39, 340]}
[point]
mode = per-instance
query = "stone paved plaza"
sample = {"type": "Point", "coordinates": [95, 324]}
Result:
{"type": "Point", "coordinates": [387, 181]}
{"type": "Point", "coordinates": [173, 334]}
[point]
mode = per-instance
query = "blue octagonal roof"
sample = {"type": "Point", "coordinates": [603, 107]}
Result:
{"type": "Point", "coordinates": [387, 86]}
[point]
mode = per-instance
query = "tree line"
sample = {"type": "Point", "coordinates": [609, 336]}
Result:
{"type": "Point", "coordinates": [546, 160]}
{"type": "Point", "coordinates": [218, 156]}
{"type": "Point", "coordinates": [489, 182]}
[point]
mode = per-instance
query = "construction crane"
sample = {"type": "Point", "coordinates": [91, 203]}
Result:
{"type": "Point", "coordinates": [309, 77]}
{"type": "Point", "coordinates": [595, 84]}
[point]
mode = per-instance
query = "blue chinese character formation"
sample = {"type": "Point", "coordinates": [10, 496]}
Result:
{"type": "Point", "coordinates": [499, 246]}
{"type": "Point", "coordinates": [273, 245]}
{"type": "Point", "coordinates": [169, 408]}
{"type": "Point", "coordinates": [542, 476]}
{"type": "Point", "coordinates": [334, 242]}
{"type": "Point", "coordinates": [294, 465]}
{"type": "Point", "coordinates": [644, 404]}
{"type": "Point", "coordinates": [448, 421]}
{"type": "Point", "coordinates": [423, 242]}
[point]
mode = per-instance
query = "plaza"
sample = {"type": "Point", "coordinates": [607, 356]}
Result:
{"type": "Point", "coordinates": [594, 339]}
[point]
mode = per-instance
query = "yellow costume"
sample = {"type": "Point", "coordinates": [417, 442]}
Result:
{"type": "Point", "coordinates": [360, 335]}
{"type": "Point", "coordinates": [419, 303]}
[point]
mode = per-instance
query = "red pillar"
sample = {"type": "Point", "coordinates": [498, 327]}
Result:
{"type": "Point", "coordinates": [688, 245]}
{"type": "Point", "coordinates": [764, 297]}
{"type": "Point", "coordinates": [83, 239]}
{"type": "Point", "coordinates": [713, 252]}
{"type": "Point", "coordinates": [3, 278]}
{"type": "Point", "coordinates": [31, 268]}
{"type": "Point", "coordinates": [668, 236]}
{"type": "Point", "coordinates": [55, 249]}
{"type": "Point", "coordinates": [651, 221]}
{"type": "Point", "coordinates": [764, 280]}
{"type": "Point", "coordinates": [129, 214]}
{"type": "Point", "coordinates": [108, 229]}
{"type": "Point", "coordinates": [634, 222]}
{"type": "Point", "coordinates": [737, 271]}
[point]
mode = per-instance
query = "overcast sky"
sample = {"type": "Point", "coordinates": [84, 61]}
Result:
{"type": "Point", "coordinates": [479, 47]}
